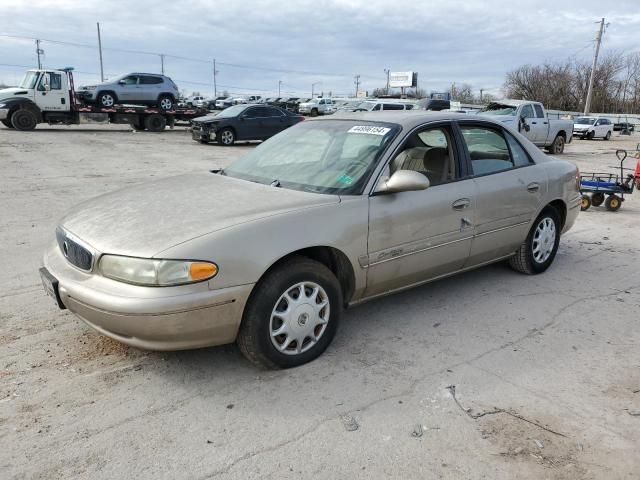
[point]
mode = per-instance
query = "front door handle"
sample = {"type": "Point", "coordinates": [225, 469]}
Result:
{"type": "Point", "coordinates": [461, 204]}
{"type": "Point", "coordinates": [533, 187]}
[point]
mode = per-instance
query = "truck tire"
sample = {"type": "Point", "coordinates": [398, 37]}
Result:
{"type": "Point", "coordinates": [165, 102]}
{"type": "Point", "coordinates": [314, 112]}
{"type": "Point", "coordinates": [155, 122]}
{"type": "Point", "coordinates": [557, 147]}
{"type": "Point", "coordinates": [24, 120]}
{"type": "Point", "coordinates": [106, 99]}
{"type": "Point", "coordinates": [7, 123]}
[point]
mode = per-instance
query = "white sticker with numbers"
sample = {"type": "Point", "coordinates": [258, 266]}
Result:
{"type": "Point", "coordinates": [369, 129]}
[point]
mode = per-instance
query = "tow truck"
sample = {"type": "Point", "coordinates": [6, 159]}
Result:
{"type": "Point", "coordinates": [49, 96]}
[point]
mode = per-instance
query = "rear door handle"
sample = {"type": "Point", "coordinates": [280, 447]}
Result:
{"type": "Point", "coordinates": [461, 204]}
{"type": "Point", "coordinates": [533, 187]}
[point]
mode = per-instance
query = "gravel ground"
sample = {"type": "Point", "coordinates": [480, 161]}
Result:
{"type": "Point", "coordinates": [546, 369]}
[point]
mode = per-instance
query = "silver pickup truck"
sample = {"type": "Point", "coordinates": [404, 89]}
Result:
{"type": "Point", "coordinates": [531, 120]}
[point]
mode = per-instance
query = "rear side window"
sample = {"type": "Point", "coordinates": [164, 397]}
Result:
{"type": "Point", "coordinates": [539, 111]}
{"type": "Point", "coordinates": [273, 112]}
{"type": "Point", "coordinates": [518, 153]}
{"type": "Point", "coordinates": [488, 150]}
{"type": "Point", "coordinates": [55, 80]}
{"type": "Point", "coordinates": [393, 106]}
{"type": "Point", "coordinates": [146, 80]}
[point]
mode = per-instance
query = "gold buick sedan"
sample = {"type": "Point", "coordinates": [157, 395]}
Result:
{"type": "Point", "coordinates": [327, 214]}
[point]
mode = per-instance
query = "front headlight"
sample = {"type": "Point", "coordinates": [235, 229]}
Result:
{"type": "Point", "coordinates": [156, 273]}
{"type": "Point", "coordinates": [2, 105]}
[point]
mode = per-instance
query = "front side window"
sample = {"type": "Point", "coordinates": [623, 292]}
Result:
{"type": "Point", "coordinates": [255, 112]}
{"type": "Point", "coordinates": [429, 152]}
{"type": "Point", "coordinates": [130, 80]}
{"type": "Point", "coordinates": [331, 157]}
{"type": "Point", "coordinates": [527, 111]}
{"type": "Point", "coordinates": [488, 150]}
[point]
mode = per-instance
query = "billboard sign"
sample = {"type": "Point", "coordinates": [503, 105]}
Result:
{"type": "Point", "coordinates": [401, 79]}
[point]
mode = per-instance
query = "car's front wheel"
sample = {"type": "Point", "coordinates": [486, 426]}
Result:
{"type": "Point", "coordinates": [106, 99]}
{"type": "Point", "coordinates": [539, 249]}
{"type": "Point", "coordinates": [226, 137]}
{"type": "Point", "coordinates": [292, 315]}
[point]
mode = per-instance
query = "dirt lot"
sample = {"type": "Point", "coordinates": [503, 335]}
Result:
{"type": "Point", "coordinates": [546, 369]}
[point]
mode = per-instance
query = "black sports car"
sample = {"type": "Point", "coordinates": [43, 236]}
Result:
{"type": "Point", "coordinates": [242, 122]}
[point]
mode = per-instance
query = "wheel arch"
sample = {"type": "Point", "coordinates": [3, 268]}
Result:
{"type": "Point", "coordinates": [166, 94]}
{"type": "Point", "coordinates": [559, 206]}
{"type": "Point", "coordinates": [331, 257]}
{"type": "Point", "coordinates": [18, 103]}
{"type": "Point", "coordinates": [563, 134]}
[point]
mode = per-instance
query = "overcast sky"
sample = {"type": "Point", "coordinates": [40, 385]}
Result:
{"type": "Point", "coordinates": [326, 41]}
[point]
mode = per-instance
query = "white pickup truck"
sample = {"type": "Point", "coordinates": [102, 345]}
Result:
{"type": "Point", "coordinates": [531, 120]}
{"type": "Point", "coordinates": [317, 106]}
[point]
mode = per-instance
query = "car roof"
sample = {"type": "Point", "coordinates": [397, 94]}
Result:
{"type": "Point", "coordinates": [405, 118]}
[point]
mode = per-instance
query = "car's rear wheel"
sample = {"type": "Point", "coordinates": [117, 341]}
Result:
{"type": "Point", "coordinates": [106, 99]}
{"type": "Point", "coordinates": [613, 203]}
{"type": "Point", "coordinates": [557, 147]}
{"type": "Point", "coordinates": [607, 136]}
{"type": "Point", "coordinates": [165, 102]}
{"type": "Point", "coordinates": [24, 120]}
{"type": "Point", "coordinates": [585, 202]}
{"type": "Point", "coordinates": [539, 249]}
{"type": "Point", "coordinates": [226, 137]}
{"type": "Point", "coordinates": [7, 123]}
{"type": "Point", "coordinates": [292, 315]}
{"type": "Point", "coordinates": [597, 199]}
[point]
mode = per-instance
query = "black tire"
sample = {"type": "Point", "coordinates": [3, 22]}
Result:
{"type": "Point", "coordinates": [24, 120]}
{"type": "Point", "coordinates": [591, 135]}
{"type": "Point", "coordinates": [314, 112]}
{"type": "Point", "coordinates": [524, 260]}
{"type": "Point", "coordinates": [137, 125]}
{"type": "Point", "coordinates": [106, 99]}
{"type": "Point", "coordinates": [613, 203]}
{"type": "Point", "coordinates": [226, 137]}
{"type": "Point", "coordinates": [585, 203]}
{"type": "Point", "coordinates": [7, 122]}
{"type": "Point", "coordinates": [557, 147]}
{"type": "Point", "coordinates": [166, 102]}
{"type": "Point", "coordinates": [255, 335]}
{"type": "Point", "coordinates": [597, 199]}
{"type": "Point", "coordinates": [608, 135]}
{"type": "Point", "coordinates": [155, 122]}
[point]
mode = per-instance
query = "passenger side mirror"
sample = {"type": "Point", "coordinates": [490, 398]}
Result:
{"type": "Point", "coordinates": [121, 82]}
{"type": "Point", "coordinates": [403, 181]}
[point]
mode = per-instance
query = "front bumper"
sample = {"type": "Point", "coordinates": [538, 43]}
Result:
{"type": "Point", "coordinates": [202, 133]}
{"type": "Point", "coordinates": [4, 113]}
{"type": "Point", "coordinates": [153, 318]}
{"type": "Point", "coordinates": [580, 133]}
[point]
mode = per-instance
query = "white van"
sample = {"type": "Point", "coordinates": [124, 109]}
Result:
{"type": "Point", "coordinates": [592, 127]}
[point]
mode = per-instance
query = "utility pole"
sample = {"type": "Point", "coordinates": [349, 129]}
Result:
{"type": "Point", "coordinates": [481, 90]}
{"type": "Point", "coordinates": [357, 83]}
{"type": "Point", "coordinates": [587, 102]}
{"type": "Point", "coordinates": [100, 51]}
{"type": "Point", "coordinates": [387, 71]}
{"type": "Point", "coordinates": [215, 72]}
{"type": "Point", "coordinates": [279, 85]}
{"type": "Point", "coordinates": [162, 63]}
{"type": "Point", "coordinates": [39, 51]}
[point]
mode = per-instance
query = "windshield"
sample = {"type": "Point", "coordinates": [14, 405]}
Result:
{"type": "Point", "coordinates": [584, 120]}
{"type": "Point", "coordinates": [29, 80]}
{"type": "Point", "coordinates": [366, 106]}
{"type": "Point", "coordinates": [232, 111]}
{"type": "Point", "coordinates": [332, 157]}
{"type": "Point", "coordinates": [496, 109]}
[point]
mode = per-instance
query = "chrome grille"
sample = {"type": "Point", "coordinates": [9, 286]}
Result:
{"type": "Point", "coordinates": [75, 253]}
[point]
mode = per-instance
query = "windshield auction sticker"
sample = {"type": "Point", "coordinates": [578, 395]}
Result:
{"type": "Point", "coordinates": [371, 130]}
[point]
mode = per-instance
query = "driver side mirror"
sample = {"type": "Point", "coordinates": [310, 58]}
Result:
{"type": "Point", "coordinates": [525, 126]}
{"type": "Point", "coordinates": [403, 181]}
{"type": "Point", "coordinates": [46, 84]}
{"type": "Point", "coordinates": [121, 82]}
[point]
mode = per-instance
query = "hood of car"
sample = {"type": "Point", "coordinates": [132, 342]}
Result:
{"type": "Point", "coordinates": [206, 119]}
{"type": "Point", "coordinates": [12, 92]}
{"type": "Point", "coordinates": [149, 218]}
